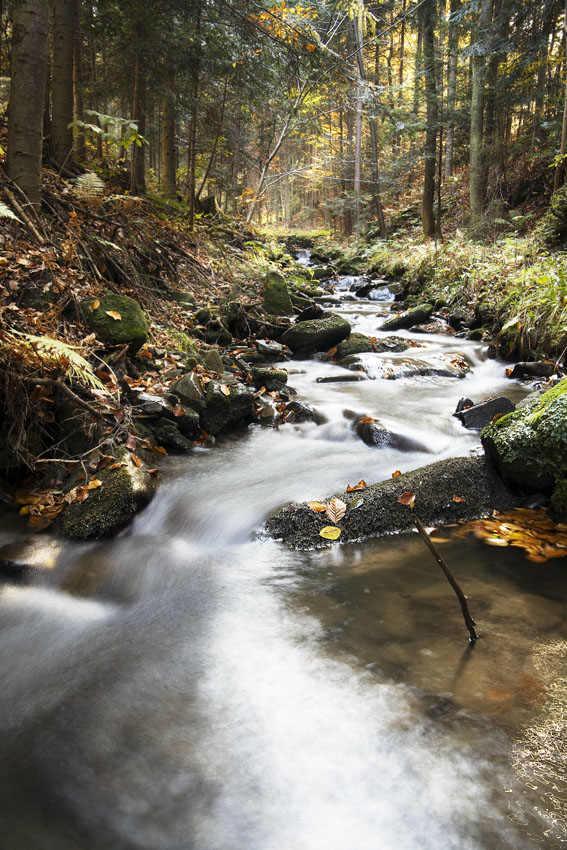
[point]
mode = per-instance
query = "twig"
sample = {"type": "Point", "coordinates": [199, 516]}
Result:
{"type": "Point", "coordinates": [24, 216]}
{"type": "Point", "coordinates": [53, 382]}
{"type": "Point", "coordinates": [469, 622]}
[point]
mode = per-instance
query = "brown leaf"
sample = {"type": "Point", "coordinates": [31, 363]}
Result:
{"type": "Point", "coordinates": [131, 442]}
{"type": "Point", "coordinates": [360, 486]}
{"type": "Point", "coordinates": [178, 410]}
{"type": "Point", "coordinates": [458, 499]}
{"type": "Point", "coordinates": [153, 471]}
{"type": "Point", "coordinates": [95, 305]}
{"type": "Point", "coordinates": [114, 314]}
{"type": "Point", "coordinates": [407, 499]}
{"type": "Point", "coordinates": [160, 450]}
{"type": "Point", "coordinates": [364, 419]}
{"type": "Point", "coordinates": [396, 473]}
{"type": "Point", "coordinates": [136, 460]}
{"type": "Point", "coordinates": [332, 351]}
{"type": "Point", "coordinates": [116, 465]}
{"type": "Point", "coordinates": [335, 510]}
{"type": "Point", "coordinates": [318, 507]}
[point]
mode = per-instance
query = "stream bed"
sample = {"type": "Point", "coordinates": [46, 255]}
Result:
{"type": "Point", "coordinates": [191, 685]}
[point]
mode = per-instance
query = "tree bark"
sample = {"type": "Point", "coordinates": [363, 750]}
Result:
{"type": "Point", "coordinates": [27, 91]}
{"type": "Point", "coordinates": [62, 80]}
{"type": "Point", "coordinates": [79, 143]}
{"type": "Point", "coordinates": [167, 147]}
{"type": "Point", "coordinates": [138, 164]}
{"type": "Point", "coordinates": [478, 63]}
{"type": "Point", "coordinates": [451, 87]}
{"type": "Point", "coordinates": [428, 196]}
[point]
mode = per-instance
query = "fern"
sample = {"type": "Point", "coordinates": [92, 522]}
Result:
{"type": "Point", "coordinates": [57, 353]}
{"type": "Point", "coordinates": [6, 212]}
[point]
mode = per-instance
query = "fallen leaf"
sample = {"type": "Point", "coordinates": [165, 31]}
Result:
{"type": "Point", "coordinates": [153, 471]}
{"type": "Point", "coordinates": [364, 419]}
{"type": "Point", "coordinates": [160, 450]}
{"type": "Point", "coordinates": [318, 507]}
{"type": "Point", "coordinates": [407, 499]}
{"type": "Point", "coordinates": [458, 499]}
{"type": "Point", "coordinates": [114, 314]}
{"type": "Point", "coordinates": [95, 305]}
{"type": "Point", "coordinates": [330, 532]}
{"type": "Point", "coordinates": [94, 484]}
{"type": "Point", "coordinates": [335, 510]}
{"type": "Point", "coordinates": [224, 389]}
{"type": "Point", "coordinates": [178, 410]}
{"type": "Point", "coordinates": [116, 465]}
{"type": "Point", "coordinates": [396, 473]}
{"type": "Point", "coordinates": [332, 351]}
{"type": "Point", "coordinates": [360, 486]}
{"type": "Point", "coordinates": [311, 47]}
{"type": "Point", "coordinates": [26, 509]}
{"type": "Point", "coordinates": [130, 442]}
{"type": "Point", "coordinates": [136, 460]}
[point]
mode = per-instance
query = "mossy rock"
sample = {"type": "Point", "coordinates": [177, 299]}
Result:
{"type": "Point", "coordinates": [276, 296]}
{"type": "Point", "coordinates": [316, 334]}
{"type": "Point", "coordinates": [110, 507]}
{"type": "Point", "coordinates": [181, 297]}
{"type": "Point", "coordinates": [131, 327]}
{"type": "Point", "coordinates": [355, 344]}
{"type": "Point", "coordinates": [559, 501]}
{"type": "Point", "coordinates": [416, 316]}
{"type": "Point", "coordinates": [529, 445]}
{"type": "Point", "coordinates": [272, 379]}
{"type": "Point", "coordinates": [212, 360]}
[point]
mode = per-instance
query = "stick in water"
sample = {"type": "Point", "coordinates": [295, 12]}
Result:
{"type": "Point", "coordinates": [469, 622]}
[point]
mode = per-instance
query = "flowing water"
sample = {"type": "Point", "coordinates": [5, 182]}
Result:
{"type": "Point", "coordinates": [193, 686]}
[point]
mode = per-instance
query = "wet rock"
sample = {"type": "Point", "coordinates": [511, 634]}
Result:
{"type": "Point", "coordinates": [124, 491]}
{"type": "Point", "coordinates": [347, 267]}
{"type": "Point", "coordinates": [272, 379]}
{"type": "Point", "coordinates": [355, 344]}
{"type": "Point", "coordinates": [314, 312]}
{"type": "Point", "coordinates": [537, 369]}
{"type": "Point", "coordinates": [373, 433]}
{"type": "Point", "coordinates": [392, 343]}
{"type": "Point", "coordinates": [296, 411]}
{"type": "Point", "coordinates": [416, 316]}
{"type": "Point", "coordinates": [463, 404]}
{"type": "Point", "coordinates": [375, 511]}
{"type": "Point", "coordinates": [444, 366]}
{"type": "Point", "coordinates": [168, 434]}
{"type": "Point", "coordinates": [270, 349]}
{"type": "Point", "coordinates": [316, 334]}
{"type": "Point", "coordinates": [212, 360]}
{"type": "Point", "coordinates": [36, 553]}
{"type": "Point", "coordinates": [189, 424]}
{"type": "Point", "coordinates": [341, 379]}
{"type": "Point", "coordinates": [225, 412]}
{"type": "Point", "coordinates": [529, 445]}
{"type": "Point", "coordinates": [460, 318]}
{"type": "Point", "coordinates": [131, 328]}
{"type": "Point", "coordinates": [478, 416]}
{"type": "Point", "coordinates": [301, 302]}
{"type": "Point", "coordinates": [277, 301]}
{"type": "Point", "coordinates": [189, 391]}
{"type": "Point", "coordinates": [323, 272]}
{"type": "Point", "coordinates": [181, 297]}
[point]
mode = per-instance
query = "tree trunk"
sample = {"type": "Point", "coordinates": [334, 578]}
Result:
{"type": "Point", "coordinates": [477, 174]}
{"type": "Point", "coordinates": [138, 164]}
{"type": "Point", "coordinates": [192, 160]}
{"type": "Point", "coordinates": [167, 147]}
{"type": "Point", "coordinates": [79, 144]}
{"type": "Point", "coordinates": [27, 90]}
{"type": "Point", "coordinates": [62, 80]}
{"type": "Point", "coordinates": [560, 170]}
{"type": "Point", "coordinates": [451, 87]}
{"type": "Point", "coordinates": [428, 198]}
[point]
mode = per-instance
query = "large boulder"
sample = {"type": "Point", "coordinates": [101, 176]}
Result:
{"type": "Point", "coordinates": [376, 511]}
{"type": "Point", "coordinates": [277, 301]}
{"type": "Point", "coordinates": [190, 392]}
{"type": "Point", "coordinates": [475, 417]}
{"type": "Point", "coordinates": [409, 318]}
{"type": "Point", "coordinates": [316, 334]}
{"type": "Point", "coordinates": [117, 320]}
{"type": "Point", "coordinates": [374, 433]}
{"type": "Point", "coordinates": [529, 446]}
{"type": "Point", "coordinates": [226, 407]}
{"type": "Point", "coordinates": [355, 344]}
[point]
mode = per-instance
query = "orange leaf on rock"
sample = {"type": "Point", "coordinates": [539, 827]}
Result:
{"type": "Point", "coordinates": [332, 351]}
{"type": "Point", "coordinates": [360, 486]}
{"type": "Point", "coordinates": [407, 499]}
{"type": "Point", "coordinates": [130, 442]}
{"type": "Point", "coordinates": [114, 314]}
{"type": "Point", "coordinates": [116, 465]}
{"type": "Point", "coordinates": [224, 389]}
{"type": "Point", "coordinates": [94, 484]}
{"type": "Point", "coordinates": [311, 47]}
{"type": "Point", "coordinates": [364, 419]}
{"type": "Point", "coordinates": [153, 471]}
{"type": "Point", "coordinates": [330, 532]}
{"type": "Point", "coordinates": [396, 473]}
{"type": "Point", "coordinates": [318, 507]}
{"type": "Point", "coordinates": [160, 450]}
{"type": "Point", "coordinates": [178, 410]}
{"type": "Point", "coordinates": [95, 305]}
{"type": "Point", "coordinates": [136, 460]}
{"type": "Point", "coordinates": [458, 499]}
{"type": "Point", "coordinates": [335, 510]}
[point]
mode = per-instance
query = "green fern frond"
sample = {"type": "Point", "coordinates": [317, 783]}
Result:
{"type": "Point", "coordinates": [6, 212]}
{"type": "Point", "coordinates": [62, 354]}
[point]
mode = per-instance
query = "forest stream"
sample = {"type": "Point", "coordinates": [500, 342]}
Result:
{"type": "Point", "coordinates": [191, 685]}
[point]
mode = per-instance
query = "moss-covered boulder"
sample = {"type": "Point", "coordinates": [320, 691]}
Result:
{"type": "Point", "coordinates": [529, 446]}
{"type": "Point", "coordinates": [276, 296]}
{"type": "Point", "coordinates": [417, 316]}
{"type": "Point", "coordinates": [117, 320]}
{"type": "Point", "coordinates": [226, 407]}
{"type": "Point", "coordinates": [110, 507]}
{"type": "Point", "coordinates": [272, 379]}
{"type": "Point", "coordinates": [355, 344]}
{"type": "Point", "coordinates": [316, 334]}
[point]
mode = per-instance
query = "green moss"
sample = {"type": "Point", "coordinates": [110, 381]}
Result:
{"type": "Point", "coordinates": [559, 500]}
{"type": "Point", "coordinates": [276, 296]}
{"type": "Point", "coordinates": [131, 327]}
{"type": "Point", "coordinates": [355, 344]}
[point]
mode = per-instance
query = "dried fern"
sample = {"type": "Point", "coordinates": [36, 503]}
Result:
{"type": "Point", "coordinates": [57, 354]}
{"type": "Point", "coordinates": [6, 212]}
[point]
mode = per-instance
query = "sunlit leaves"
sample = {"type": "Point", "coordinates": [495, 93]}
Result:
{"type": "Point", "coordinates": [532, 530]}
{"type": "Point", "coordinates": [330, 532]}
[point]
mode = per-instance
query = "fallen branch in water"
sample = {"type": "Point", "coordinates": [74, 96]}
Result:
{"type": "Point", "coordinates": [469, 622]}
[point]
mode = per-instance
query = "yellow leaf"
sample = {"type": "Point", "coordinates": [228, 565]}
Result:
{"type": "Point", "coordinates": [94, 484]}
{"type": "Point", "coordinates": [25, 510]}
{"type": "Point", "coordinates": [396, 473]}
{"type": "Point", "coordinates": [330, 532]}
{"type": "Point", "coordinates": [311, 47]}
{"type": "Point", "coordinates": [95, 305]}
{"type": "Point", "coordinates": [114, 314]}
{"type": "Point", "coordinates": [224, 389]}
{"type": "Point", "coordinates": [335, 510]}
{"type": "Point", "coordinates": [318, 507]}
{"type": "Point", "coordinates": [360, 486]}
